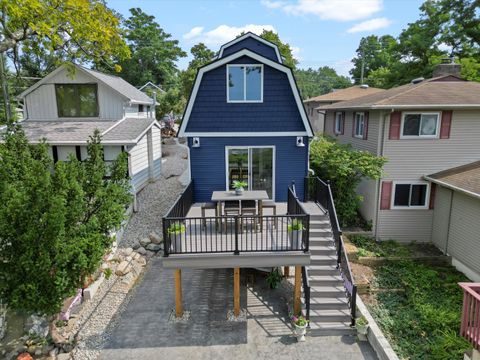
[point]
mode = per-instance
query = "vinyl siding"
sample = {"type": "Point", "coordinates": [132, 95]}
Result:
{"type": "Point", "coordinates": [208, 164]}
{"type": "Point", "coordinates": [316, 119]}
{"type": "Point", "coordinates": [139, 163]}
{"type": "Point", "coordinates": [370, 144]}
{"type": "Point", "coordinates": [157, 151]}
{"type": "Point", "coordinates": [368, 190]}
{"type": "Point", "coordinates": [405, 225]}
{"type": "Point", "coordinates": [464, 235]}
{"type": "Point", "coordinates": [253, 45]}
{"type": "Point", "coordinates": [277, 112]}
{"type": "Point", "coordinates": [41, 103]}
{"type": "Point", "coordinates": [441, 217]}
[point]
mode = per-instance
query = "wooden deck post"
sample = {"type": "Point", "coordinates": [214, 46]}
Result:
{"type": "Point", "coordinates": [297, 305]}
{"type": "Point", "coordinates": [178, 293]}
{"type": "Point", "coordinates": [236, 291]}
{"type": "Point", "coordinates": [286, 271]}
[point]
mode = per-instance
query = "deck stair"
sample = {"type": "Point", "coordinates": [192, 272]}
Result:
{"type": "Point", "coordinates": [329, 309]}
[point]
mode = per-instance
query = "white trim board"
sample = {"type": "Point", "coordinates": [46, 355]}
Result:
{"type": "Point", "coordinates": [259, 58]}
{"type": "Point", "coordinates": [410, 207]}
{"type": "Point", "coordinates": [244, 83]}
{"type": "Point", "coordinates": [253, 36]}
{"type": "Point", "coordinates": [417, 137]}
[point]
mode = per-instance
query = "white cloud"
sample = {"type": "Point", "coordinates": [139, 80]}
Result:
{"type": "Point", "coordinates": [223, 33]}
{"type": "Point", "coordinates": [339, 10]}
{"type": "Point", "coordinates": [296, 51]}
{"type": "Point", "coordinates": [370, 25]}
{"type": "Point", "coordinates": [197, 30]}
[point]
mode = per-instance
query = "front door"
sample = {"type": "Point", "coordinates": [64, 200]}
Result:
{"type": "Point", "coordinates": [252, 164]}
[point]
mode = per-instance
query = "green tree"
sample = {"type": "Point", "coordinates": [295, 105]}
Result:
{"type": "Point", "coordinates": [54, 226]}
{"type": "Point", "coordinates": [201, 55]}
{"type": "Point", "coordinates": [154, 52]}
{"type": "Point", "coordinates": [318, 82]}
{"type": "Point", "coordinates": [283, 47]}
{"type": "Point", "coordinates": [344, 167]}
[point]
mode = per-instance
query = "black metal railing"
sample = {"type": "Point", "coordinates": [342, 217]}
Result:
{"type": "Point", "coordinates": [306, 291]}
{"type": "Point", "coordinates": [295, 207]}
{"type": "Point", "coordinates": [182, 205]}
{"type": "Point", "coordinates": [320, 192]}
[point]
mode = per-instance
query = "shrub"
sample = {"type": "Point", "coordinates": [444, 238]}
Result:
{"type": "Point", "coordinates": [54, 225]}
{"type": "Point", "coordinates": [345, 168]}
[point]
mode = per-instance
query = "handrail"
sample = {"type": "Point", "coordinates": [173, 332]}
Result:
{"type": "Point", "coordinates": [306, 292]}
{"type": "Point", "coordinates": [470, 325]}
{"type": "Point", "coordinates": [321, 192]}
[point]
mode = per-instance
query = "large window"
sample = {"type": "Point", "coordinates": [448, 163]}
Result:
{"type": "Point", "coordinates": [412, 195]}
{"type": "Point", "coordinates": [244, 83]}
{"type": "Point", "coordinates": [77, 100]}
{"type": "Point", "coordinates": [359, 126]}
{"type": "Point", "coordinates": [339, 123]}
{"type": "Point", "coordinates": [424, 125]}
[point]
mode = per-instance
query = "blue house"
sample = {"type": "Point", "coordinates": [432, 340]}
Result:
{"type": "Point", "coordinates": [245, 121]}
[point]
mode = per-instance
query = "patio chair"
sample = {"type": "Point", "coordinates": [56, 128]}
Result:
{"type": "Point", "coordinates": [207, 206]}
{"type": "Point", "coordinates": [249, 207]}
{"type": "Point", "coordinates": [270, 204]}
{"type": "Point", "coordinates": [231, 207]}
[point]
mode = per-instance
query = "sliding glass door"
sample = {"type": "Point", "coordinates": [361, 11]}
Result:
{"type": "Point", "coordinates": [253, 165]}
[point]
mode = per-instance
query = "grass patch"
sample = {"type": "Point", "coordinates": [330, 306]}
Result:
{"type": "Point", "coordinates": [424, 321]}
{"type": "Point", "coordinates": [367, 246]}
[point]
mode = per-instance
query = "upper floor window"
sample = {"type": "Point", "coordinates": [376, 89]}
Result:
{"type": "Point", "coordinates": [77, 100]}
{"type": "Point", "coordinates": [359, 125]}
{"type": "Point", "coordinates": [339, 123]}
{"type": "Point", "coordinates": [424, 125]}
{"type": "Point", "coordinates": [244, 83]}
{"type": "Point", "coordinates": [410, 195]}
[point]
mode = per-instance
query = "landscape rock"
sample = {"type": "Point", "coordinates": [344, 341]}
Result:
{"type": "Point", "coordinates": [127, 251]}
{"type": "Point", "coordinates": [64, 356]}
{"type": "Point", "coordinates": [57, 338]}
{"type": "Point", "coordinates": [153, 247]}
{"type": "Point", "coordinates": [123, 268]}
{"type": "Point", "coordinates": [141, 261]}
{"type": "Point", "coordinates": [155, 239]}
{"type": "Point", "coordinates": [53, 353]}
{"type": "Point", "coordinates": [141, 250]}
{"type": "Point", "coordinates": [37, 326]}
{"type": "Point", "coordinates": [128, 258]}
{"type": "Point", "coordinates": [136, 245]}
{"type": "Point", "coordinates": [144, 242]}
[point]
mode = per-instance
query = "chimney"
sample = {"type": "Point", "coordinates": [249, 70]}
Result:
{"type": "Point", "coordinates": [447, 67]}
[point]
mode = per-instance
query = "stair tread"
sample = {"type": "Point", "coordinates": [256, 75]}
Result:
{"type": "Point", "coordinates": [322, 288]}
{"type": "Point", "coordinates": [324, 277]}
{"type": "Point", "coordinates": [332, 300]}
{"type": "Point", "coordinates": [322, 247]}
{"type": "Point", "coordinates": [330, 325]}
{"type": "Point", "coordinates": [329, 312]}
{"type": "Point", "coordinates": [323, 257]}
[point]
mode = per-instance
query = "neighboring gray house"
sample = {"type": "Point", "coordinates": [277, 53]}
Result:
{"type": "Point", "coordinates": [317, 116]}
{"type": "Point", "coordinates": [422, 128]}
{"type": "Point", "coordinates": [65, 108]}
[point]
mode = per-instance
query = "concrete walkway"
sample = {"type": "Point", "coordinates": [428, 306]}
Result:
{"type": "Point", "coordinates": [145, 332]}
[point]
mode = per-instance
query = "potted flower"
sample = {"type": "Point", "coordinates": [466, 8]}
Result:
{"type": "Point", "coordinates": [176, 232]}
{"type": "Point", "coordinates": [295, 229]}
{"type": "Point", "coordinates": [300, 324]}
{"type": "Point", "coordinates": [361, 324]}
{"type": "Point", "coordinates": [239, 186]}
{"type": "Point", "coordinates": [274, 278]}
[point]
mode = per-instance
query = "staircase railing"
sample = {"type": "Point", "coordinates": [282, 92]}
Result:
{"type": "Point", "coordinates": [470, 327]}
{"type": "Point", "coordinates": [320, 192]}
{"type": "Point", "coordinates": [306, 291]}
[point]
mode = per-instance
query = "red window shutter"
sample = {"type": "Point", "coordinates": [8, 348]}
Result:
{"type": "Point", "coordinates": [433, 187]}
{"type": "Point", "coordinates": [395, 121]}
{"type": "Point", "coordinates": [365, 125]}
{"type": "Point", "coordinates": [343, 122]}
{"type": "Point", "coordinates": [446, 124]}
{"type": "Point", "coordinates": [386, 196]}
{"type": "Point", "coordinates": [353, 124]}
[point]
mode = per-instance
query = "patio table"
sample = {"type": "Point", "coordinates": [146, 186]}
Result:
{"type": "Point", "coordinates": [259, 195]}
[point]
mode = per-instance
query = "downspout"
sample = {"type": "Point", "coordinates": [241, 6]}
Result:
{"type": "Point", "coordinates": [449, 221]}
{"type": "Point", "coordinates": [383, 119]}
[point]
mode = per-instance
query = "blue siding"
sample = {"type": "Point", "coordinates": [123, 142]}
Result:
{"type": "Point", "coordinates": [253, 45]}
{"type": "Point", "coordinates": [208, 164]}
{"type": "Point", "coordinates": [212, 113]}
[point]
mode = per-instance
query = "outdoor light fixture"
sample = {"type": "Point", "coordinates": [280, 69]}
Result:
{"type": "Point", "coordinates": [196, 142]}
{"type": "Point", "coordinates": [300, 141]}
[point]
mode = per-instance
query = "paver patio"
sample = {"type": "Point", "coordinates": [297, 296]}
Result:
{"type": "Point", "coordinates": [144, 329]}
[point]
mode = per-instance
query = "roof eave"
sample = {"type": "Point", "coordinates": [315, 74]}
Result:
{"type": "Point", "coordinates": [452, 187]}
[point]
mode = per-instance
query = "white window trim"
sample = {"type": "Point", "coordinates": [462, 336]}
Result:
{"type": "Point", "coordinates": [338, 132]}
{"type": "Point", "coordinates": [427, 195]}
{"type": "Point", "coordinates": [437, 130]}
{"type": "Point", "coordinates": [245, 84]}
{"type": "Point", "coordinates": [359, 136]}
{"type": "Point", "coordinates": [249, 165]}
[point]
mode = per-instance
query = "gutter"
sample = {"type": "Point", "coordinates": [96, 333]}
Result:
{"type": "Point", "coordinates": [411, 106]}
{"type": "Point", "coordinates": [452, 187]}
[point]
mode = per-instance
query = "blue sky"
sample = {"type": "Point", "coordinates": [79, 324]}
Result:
{"type": "Point", "coordinates": [321, 32]}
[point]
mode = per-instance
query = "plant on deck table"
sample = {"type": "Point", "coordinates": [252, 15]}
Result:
{"type": "Point", "coordinates": [237, 184]}
{"type": "Point", "coordinates": [274, 279]}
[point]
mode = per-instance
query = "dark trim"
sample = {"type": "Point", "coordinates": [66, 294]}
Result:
{"type": "Point", "coordinates": [78, 152]}
{"type": "Point", "coordinates": [55, 154]}
{"type": "Point", "coordinates": [140, 108]}
{"type": "Point", "coordinates": [76, 86]}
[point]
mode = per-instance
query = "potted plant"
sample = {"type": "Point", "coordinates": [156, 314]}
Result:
{"type": "Point", "coordinates": [361, 324]}
{"type": "Point", "coordinates": [300, 324]}
{"type": "Point", "coordinates": [239, 186]}
{"type": "Point", "coordinates": [295, 229]}
{"type": "Point", "coordinates": [176, 232]}
{"type": "Point", "coordinates": [274, 278]}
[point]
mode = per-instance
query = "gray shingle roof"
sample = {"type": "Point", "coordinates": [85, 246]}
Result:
{"type": "Point", "coordinates": [465, 177]}
{"type": "Point", "coordinates": [121, 132]}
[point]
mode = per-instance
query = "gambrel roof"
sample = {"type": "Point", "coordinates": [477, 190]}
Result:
{"type": "Point", "coordinates": [123, 88]}
{"type": "Point", "coordinates": [255, 37]}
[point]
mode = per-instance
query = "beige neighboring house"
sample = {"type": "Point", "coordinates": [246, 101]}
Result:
{"type": "Point", "coordinates": [422, 128]}
{"type": "Point", "coordinates": [65, 109]}
{"type": "Point", "coordinates": [317, 116]}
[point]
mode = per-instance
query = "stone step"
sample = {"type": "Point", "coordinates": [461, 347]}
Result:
{"type": "Point", "coordinates": [330, 291]}
{"type": "Point", "coordinates": [322, 250]}
{"type": "Point", "coordinates": [330, 315]}
{"type": "Point", "coordinates": [321, 280]}
{"type": "Point", "coordinates": [323, 260]}
{"type": "Point", "coordinates": [331, 329]}
{"type": "Point", "coordinates": [322, 270]}
{"type": "Point", "coordinates": [328, 303]}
